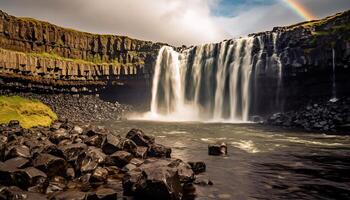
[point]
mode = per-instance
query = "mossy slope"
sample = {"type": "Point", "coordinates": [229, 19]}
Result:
{"type": "Point", "coordinates": [28, 112]}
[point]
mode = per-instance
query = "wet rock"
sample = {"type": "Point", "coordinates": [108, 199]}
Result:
{"type": "Point", "coordinates": [197, 167]}
{"type": "Point", "coordinates": [29, 177]}
{"type": "Point", "coordinates": [119, 159]}
{"type": "Point", "coordinates": [103, 193]}
{"type": "Point", "coordinates": [50, 164]}
{"type": "Point", "coordinates": [56, 184]}
{"type": "Point", "coordinates": [18, 162]}
{"type": "Point", "coordinates": [15, 193]}
{"type": "Point", "coordinates": [90, 159]}
{"type": "Point", "coordinates": [96, 140]}
{"type": "Point", "coordinates": [217, 149]}
{"type": "Point", "coordinates": [100, 175]}
{"type": "Point", "coordinates": [70, 195]}
{"type": "Point", "coordinates": [17, 151]}
{"type": "Point", "coordinates": [111, 144]}
{"type": "Point", "coordinates": [153, 181]}
{"type": "Point", "coordinates": [159, 151]}
{"type": "Point", "coordinates": [140, 139]}
{"type": "Point", "coordinates": [141, 152]}
{"type": "Point", "coordinates": [59, 135]}
{"type": "Point", "coordinates": [127, 145]}
{"type": "Point", "coordinates": [72, 151]}
{"type": "Point", "coordinates": [184, 170]}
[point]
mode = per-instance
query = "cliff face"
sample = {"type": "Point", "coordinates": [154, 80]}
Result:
{"type": "Point", "coordinates": [314, 58]}
{"type": "Point", "coordinates": [46, 54]}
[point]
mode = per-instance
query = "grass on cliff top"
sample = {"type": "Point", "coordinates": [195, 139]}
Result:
{"type": "Point", "coordinates": [28, 112]}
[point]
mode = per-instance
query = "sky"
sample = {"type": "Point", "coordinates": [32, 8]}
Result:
{"type": "Point", "coordinates": [176, 22]}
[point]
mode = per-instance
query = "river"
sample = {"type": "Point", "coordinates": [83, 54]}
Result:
{"type": "Point", "coordinates": [262, 162]}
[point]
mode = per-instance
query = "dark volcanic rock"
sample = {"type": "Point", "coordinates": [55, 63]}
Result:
{"type": "Point", "coordinates": [15, 193]}
{"type": "Point", "coordinates": [72, 151]}
{"type": "Point", "coordinates": [50, 164]}
{"type": "Point", "coordinates": [119, 158]}
{"type": "Point", "coordinates": [217, 149]}
{"type": "Point", "coordinates": [69, 195]}
{"type": "Point", "coordinates": [197, 167]}
{"type": "Point", "coordinates": [90, 159]}
{"type": "Point", "coordinates": [71, 169]}
{"type": "Point", "coordinates": [111, 144]}
{"type": "Point", "coordinates": [153, 181]}
{"type": "Point", "coordinates": [159, 151]}
{"type": "Point", "coordinates": [140, 138]}
{"type": "Point", "coordinates": [103, 194]}
{"type": "Point", "coordinates": [17, 151]}
{"type": "Point", "coordinates": [30, 177]}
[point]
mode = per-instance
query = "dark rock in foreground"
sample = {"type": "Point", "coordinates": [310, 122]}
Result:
{"type": "Point", "coordinates": [217, 149]}
{"type": "Point", "coordinates": [70, 161]}
{"type": "Point", "coordinates": [329, 116]}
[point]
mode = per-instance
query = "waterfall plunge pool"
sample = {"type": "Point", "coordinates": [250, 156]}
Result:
{"type": "Point", "coordinates": [262, 162]}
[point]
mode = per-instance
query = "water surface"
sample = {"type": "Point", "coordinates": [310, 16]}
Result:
{"type": "Point", "coordinates": [262, 162]}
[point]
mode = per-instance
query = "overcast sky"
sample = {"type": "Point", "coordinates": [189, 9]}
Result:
{"type": "Point", "coordinates": [175, 22]}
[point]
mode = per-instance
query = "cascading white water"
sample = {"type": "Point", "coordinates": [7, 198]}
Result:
{"type": "Point", "coordinates": [208, 83]}
{"type": "Point", "coordinates": [334, 86]}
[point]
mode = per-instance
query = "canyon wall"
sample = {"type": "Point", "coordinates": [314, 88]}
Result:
{"type": "Point", "coordinates": [315, 63]}
{"type": "Point", "coordinates": [39, 55]}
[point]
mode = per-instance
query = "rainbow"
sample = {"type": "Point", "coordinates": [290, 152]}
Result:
{"type": "Point", "coordinates": [300, 10]}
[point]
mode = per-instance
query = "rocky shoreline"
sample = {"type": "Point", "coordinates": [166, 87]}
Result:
{"type": "Point", "coordinates": [80, 161]}
{"type": "Point", "coordinates": [77, 107]}
{"type": "Point", "coordinates": [325, 116]}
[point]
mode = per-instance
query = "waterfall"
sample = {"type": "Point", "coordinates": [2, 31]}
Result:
{"type": "Point", "coordinates": [334, 85]}
{"type": "Point", "coordinates": [209, 82]}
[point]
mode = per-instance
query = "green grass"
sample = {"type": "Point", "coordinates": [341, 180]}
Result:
{"type": "Point", "coordinates": [28, 112]}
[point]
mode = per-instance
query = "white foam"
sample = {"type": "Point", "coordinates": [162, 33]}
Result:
{"type": "Point", "coordinates": [246, 145]}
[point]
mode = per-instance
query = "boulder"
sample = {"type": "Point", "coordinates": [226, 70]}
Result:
{"type": "Point", "coordinates": [17, 151]}
{"type": "Point", "coordinates": [119, 159]}
{"type": "Point", "coordinates": [127, 145]}
{"type": "Point", "coordinates": [111, 144]}
{"type": "Point", "coordinates": [103, 193]}
{"type": "Point", "coordinates": [72, 151]}
{"type": "Point", "coordinates": [28, 177]}
{"type": "Point", "coordinates": [154, 180]}
{"type": "Point", "coordinates": [50, 164]}
{"type": "Point", "coordinates": [140, 139]}
{"type": "Point", "coordinates": [159, 151]}
{"type": "Point", "coordinates": [15, 193]}
{"type": "Point", "coordinates": [69, 195]}
{"type": "Point", "coordinates": [90, 159]}
{"type": "Point", "coordinates": [197, 167]}
{"type": "Point", "coordinates": [217, 149]}
{"type": "Point", "coordinates": [59, 135]}
{"type": "Point", "coordinates": [95, 140]}
{"type": "Point", "coordinates": [99, 175]}
{"type": "Point", "coordinates": [184, 170]}
{"type": "Point", "coordinates": [56, 184]}
{"type": "Point", "coordinates": [141, 152]}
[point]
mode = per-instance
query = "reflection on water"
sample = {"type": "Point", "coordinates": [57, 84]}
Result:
{"type": "Point", "coordinates": [263, 163]}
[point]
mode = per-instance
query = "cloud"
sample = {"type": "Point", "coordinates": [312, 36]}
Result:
{"type": "Point", "coordinates": [176, 22]}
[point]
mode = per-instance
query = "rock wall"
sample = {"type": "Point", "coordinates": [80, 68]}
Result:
{"type": "Point", "coordinates": [305, 52]}
{"type": "Point", "coordinates": [47, 54]}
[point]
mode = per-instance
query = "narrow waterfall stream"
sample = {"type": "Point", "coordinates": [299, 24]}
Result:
{"type": "Point", "coordinates": [334, 85]}
{"type": "Point", "coordinates": [212, 82]}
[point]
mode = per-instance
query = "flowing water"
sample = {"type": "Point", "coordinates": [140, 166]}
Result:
{"type": "Point", "coordinates": [262, 162]}
{"type": "Point", "coordinates": [334, 86]}
{"type": "Point", "coordinates": [214, 82]}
